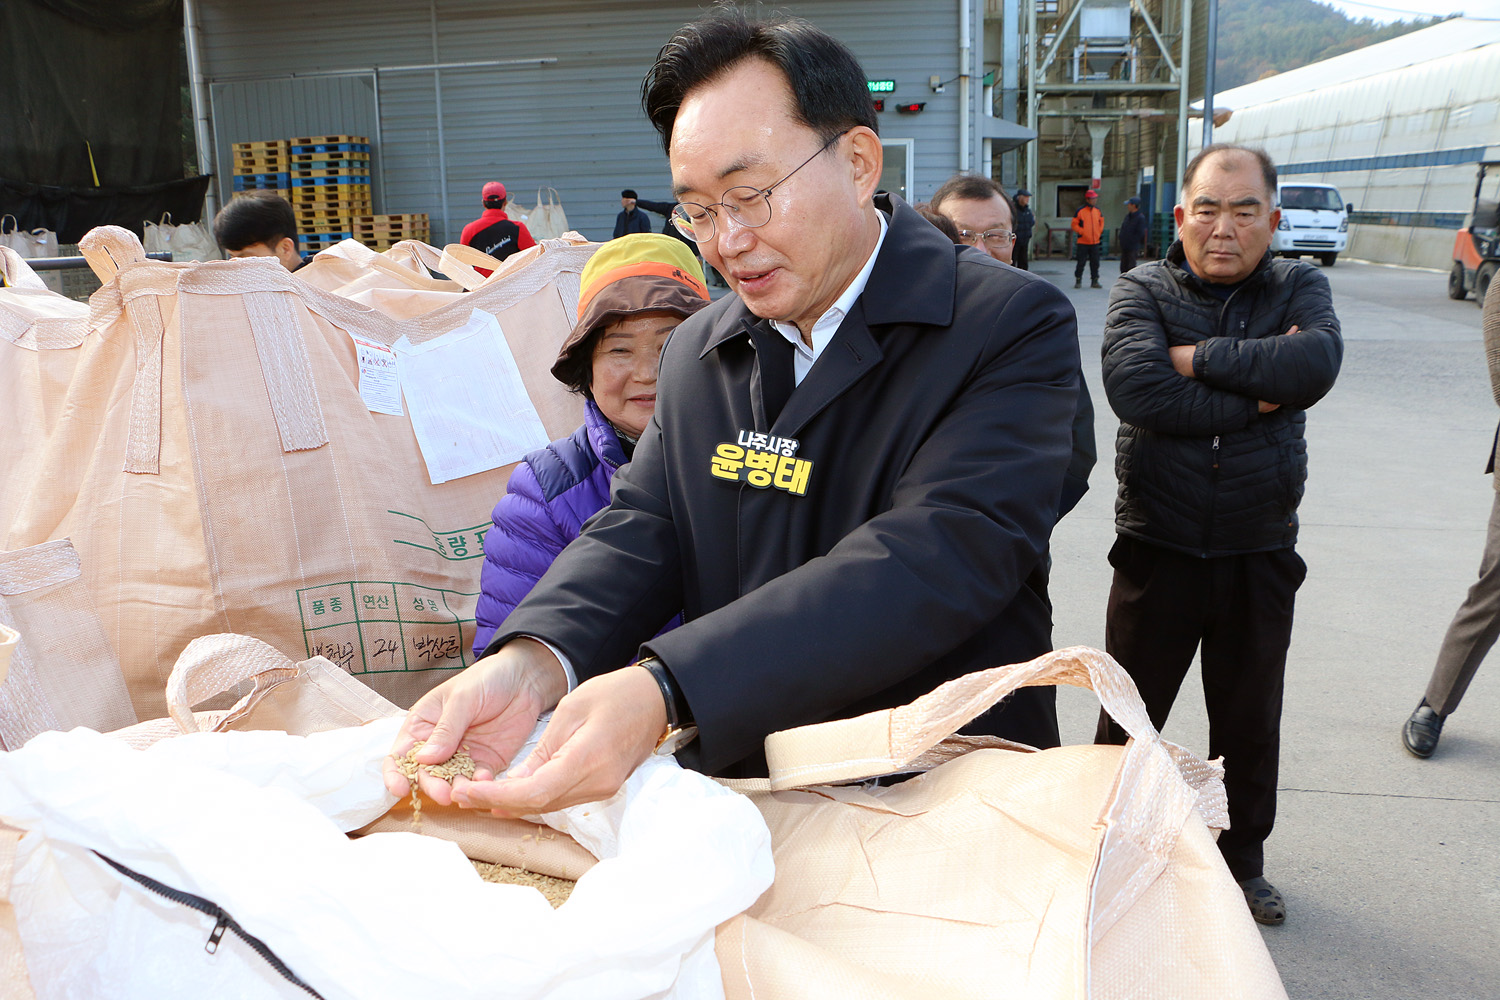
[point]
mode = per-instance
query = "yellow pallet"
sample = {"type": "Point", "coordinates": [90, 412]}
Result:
{"type": "Point", "coordinates": [329, 140]}
{"type": "Point", "coordinates": [332, 192]}
{"type": "Point", "coordinates": [311, 173]}
{"type": "Point", "coordinates": [264, 144]}
{"type": "Point", "coordinates": [380, 220]}
{"type": "Point", "coordinates": [342, 207]}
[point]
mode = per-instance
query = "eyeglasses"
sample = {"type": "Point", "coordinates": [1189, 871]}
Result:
{"type": "Point", "coordinates": [996, 238]}
{"type": "Point", "coordinates": [747, 206]}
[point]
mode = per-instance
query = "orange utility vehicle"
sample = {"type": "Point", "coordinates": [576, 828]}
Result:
{"type": "Point", "coordinates": [1476, 248]}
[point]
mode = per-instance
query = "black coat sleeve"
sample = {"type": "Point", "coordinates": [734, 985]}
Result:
{"type": "Point", "coordinates": [1293, 370]}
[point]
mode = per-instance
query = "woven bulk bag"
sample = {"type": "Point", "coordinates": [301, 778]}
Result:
{"type": "Point", "coordinates": [1078, 873]}
{"type": "Point", "coordinates": [217, 470]}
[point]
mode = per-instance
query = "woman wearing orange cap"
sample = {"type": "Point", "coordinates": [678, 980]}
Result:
{"type": "Point", "coordinates": [635, 290]}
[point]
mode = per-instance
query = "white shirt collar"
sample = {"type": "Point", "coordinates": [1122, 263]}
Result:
{"type": "Point", "coordinates": [828, 323]}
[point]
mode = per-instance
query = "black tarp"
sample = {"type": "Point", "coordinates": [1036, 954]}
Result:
{"type": "Point", "coordinates": [71, 212]}
{"type": "Point", "coordinates": [100, 76]}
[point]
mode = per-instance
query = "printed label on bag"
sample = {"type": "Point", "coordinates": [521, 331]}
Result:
{"type": "Point", "coordinates": [374, 627]}
{"type": "Point", "coordinates": [456, 545]}
{"type": "Point", "coordinates": [378, 384]}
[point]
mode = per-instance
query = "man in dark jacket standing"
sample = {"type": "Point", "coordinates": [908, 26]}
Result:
{"type": "Point", "coordinates": [1132, 234]}
{"type": "Point", "coordinates": [850, 480]}
{"type": "Point", "coordinates": [1024, 224]}
{"type": "Point", "coordinates": [1211, 358]}
{"type": "Point", "coordinates": [631, 219]}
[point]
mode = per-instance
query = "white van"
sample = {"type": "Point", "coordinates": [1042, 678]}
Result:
{"type": "Point", "coordinates": [1314, 221]}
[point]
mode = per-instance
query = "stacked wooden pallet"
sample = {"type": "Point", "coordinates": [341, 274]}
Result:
{"type": "Point", "coordinates": [261, 166]}
{"type": "Point", "coordinates": [381, 232]}
{"type": "Point", "coordinates": [330, 185]}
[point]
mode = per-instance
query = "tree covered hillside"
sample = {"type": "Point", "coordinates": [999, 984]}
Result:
{"type": "Point", "coordinates": [1259, 38]}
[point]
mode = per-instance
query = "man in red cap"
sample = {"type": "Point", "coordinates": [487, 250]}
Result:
{"type": "Point", "coordinates": [494, 232]}
{"type": "Point", "coordinates": [1088, 224]}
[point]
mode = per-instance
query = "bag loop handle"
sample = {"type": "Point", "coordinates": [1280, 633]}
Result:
{"type": "Point", "coordinates": [460, 260]}
{"type": "Point", "coordinates": [212, 664]}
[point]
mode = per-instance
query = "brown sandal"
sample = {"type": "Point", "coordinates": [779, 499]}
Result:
{"type": "Point", "coordinates": [1265, 902]}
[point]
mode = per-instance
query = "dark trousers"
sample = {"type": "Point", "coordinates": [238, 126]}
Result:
{"type": "Point", "coordinates": [1019, 254]}
{"type": "Point", "coordinates": [1087, 252]}
{"type": "Point", "coordinates": [1474, 629]}
{"type": "Point", "coordinates": [1127, 259]}
{"type": "Point", "coordinates": [1162, 606]}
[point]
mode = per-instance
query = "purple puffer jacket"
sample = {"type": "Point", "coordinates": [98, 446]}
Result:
{"type": "Point", "coordinates": [551, 493]}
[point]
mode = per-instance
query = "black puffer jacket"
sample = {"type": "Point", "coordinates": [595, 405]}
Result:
{"type": "Point", "coordinates": [1201, 470]}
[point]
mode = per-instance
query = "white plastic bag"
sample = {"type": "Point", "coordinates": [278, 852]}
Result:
{"type": "Point", "coordinates": [31, 243]}
{"type": "Point", "coordinates": [547, 221]}
{"type": "Point", "coordinates": [189, 241]}
{"type": "Point", "coordinates": [254, 821]}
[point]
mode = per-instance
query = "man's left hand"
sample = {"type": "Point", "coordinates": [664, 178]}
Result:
{"type": "Point", "coordinates": [599, 734]}
{"type": "Point", "coordinates": [1182, 359]}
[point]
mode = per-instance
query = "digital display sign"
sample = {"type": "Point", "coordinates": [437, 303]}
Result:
{"type": "Point", "coordinates": [881, 86]}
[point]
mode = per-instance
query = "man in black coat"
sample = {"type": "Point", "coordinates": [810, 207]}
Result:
{"type": "Point", "coordinates": [1132, 234]}
{"type": "Point", "coordinates": [631, 219]}
{"type": "Point", "coordinates": [1024, 225]}
{"type": "Point", "coordinates": [849, 483]}
{"type": "Point", "coordinates": [1211, 358]}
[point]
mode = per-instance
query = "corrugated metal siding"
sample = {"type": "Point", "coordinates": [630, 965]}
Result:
{"type": "Point", "coordinates": [574, 125]}
{"type": "Point", "coordinates": [1445, 104]}
{"type": "Point", "coordinates": [257, 110]}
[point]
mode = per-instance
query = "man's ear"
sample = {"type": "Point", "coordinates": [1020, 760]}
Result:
{"type": "Point", "coordinates": [1179, 213]}
{"type": "Point", "coordinates": [866, 159]}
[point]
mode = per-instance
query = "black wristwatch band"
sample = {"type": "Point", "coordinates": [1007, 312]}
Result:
{"type": "Point", "coordinates": [679, 716]}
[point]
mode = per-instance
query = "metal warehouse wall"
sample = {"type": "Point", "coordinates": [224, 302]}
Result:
{"type": "Point", "coordinates": [1401, 146]}
{"type": "Point", "coordinates": [573, 124]}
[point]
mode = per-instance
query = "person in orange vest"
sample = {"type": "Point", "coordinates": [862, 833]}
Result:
{"type": "Point", "coordinates": [1088, 223]}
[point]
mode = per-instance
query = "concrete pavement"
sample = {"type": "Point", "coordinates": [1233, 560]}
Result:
{"type": "Point", "coordinates": [1390, 865]}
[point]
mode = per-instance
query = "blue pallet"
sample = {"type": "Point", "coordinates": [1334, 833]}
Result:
{"type": "Point", "coordinates": [324, 239]}
{"type": "Point", "coordinates": [332, 165]}
{"type": "Point", "coordinates": [257, 182]}
{"type": "Point", "coordinates": [327, 181]}
{"type": "Point", "coordinates": [333, 147]}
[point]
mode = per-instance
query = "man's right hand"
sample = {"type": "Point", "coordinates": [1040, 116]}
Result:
{"type": "Point", "coordinates": [490, 709]}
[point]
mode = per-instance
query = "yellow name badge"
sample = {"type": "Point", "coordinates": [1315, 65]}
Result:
{"type": "Point", "coordinates": [761, 468]}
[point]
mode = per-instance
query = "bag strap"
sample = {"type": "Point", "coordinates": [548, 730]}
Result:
{"type": "Point", "coordinates": [213, 664]}
{"type": "Point", "coordinates": [553, 198]}
{"type": "Point", "coordinates": [460, 260]}
{"type": "Point", "coordinates": [897, 739]}
{"type": "Point", "coordinates": [108, 248]}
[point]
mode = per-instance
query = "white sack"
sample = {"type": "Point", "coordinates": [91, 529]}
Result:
{"type": "Point", "coordinates": [254, 822]}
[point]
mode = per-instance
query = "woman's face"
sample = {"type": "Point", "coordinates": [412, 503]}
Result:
{"type": "Point", "coordinates": [626, 357]}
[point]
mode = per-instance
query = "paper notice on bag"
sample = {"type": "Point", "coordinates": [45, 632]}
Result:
{"type": "Point", "coordinates": [468, 405]}
{"type": "Point", "coordinates": [378, 385]}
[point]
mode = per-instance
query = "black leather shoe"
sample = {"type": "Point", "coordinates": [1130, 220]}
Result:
{"type": "Point", "coordinates": [1266, 904]}
{"type": "Point", "coordinates": [1421, 732]}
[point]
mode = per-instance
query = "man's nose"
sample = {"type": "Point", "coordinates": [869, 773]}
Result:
{"type": "Point", "coordinates": [732, 236]}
